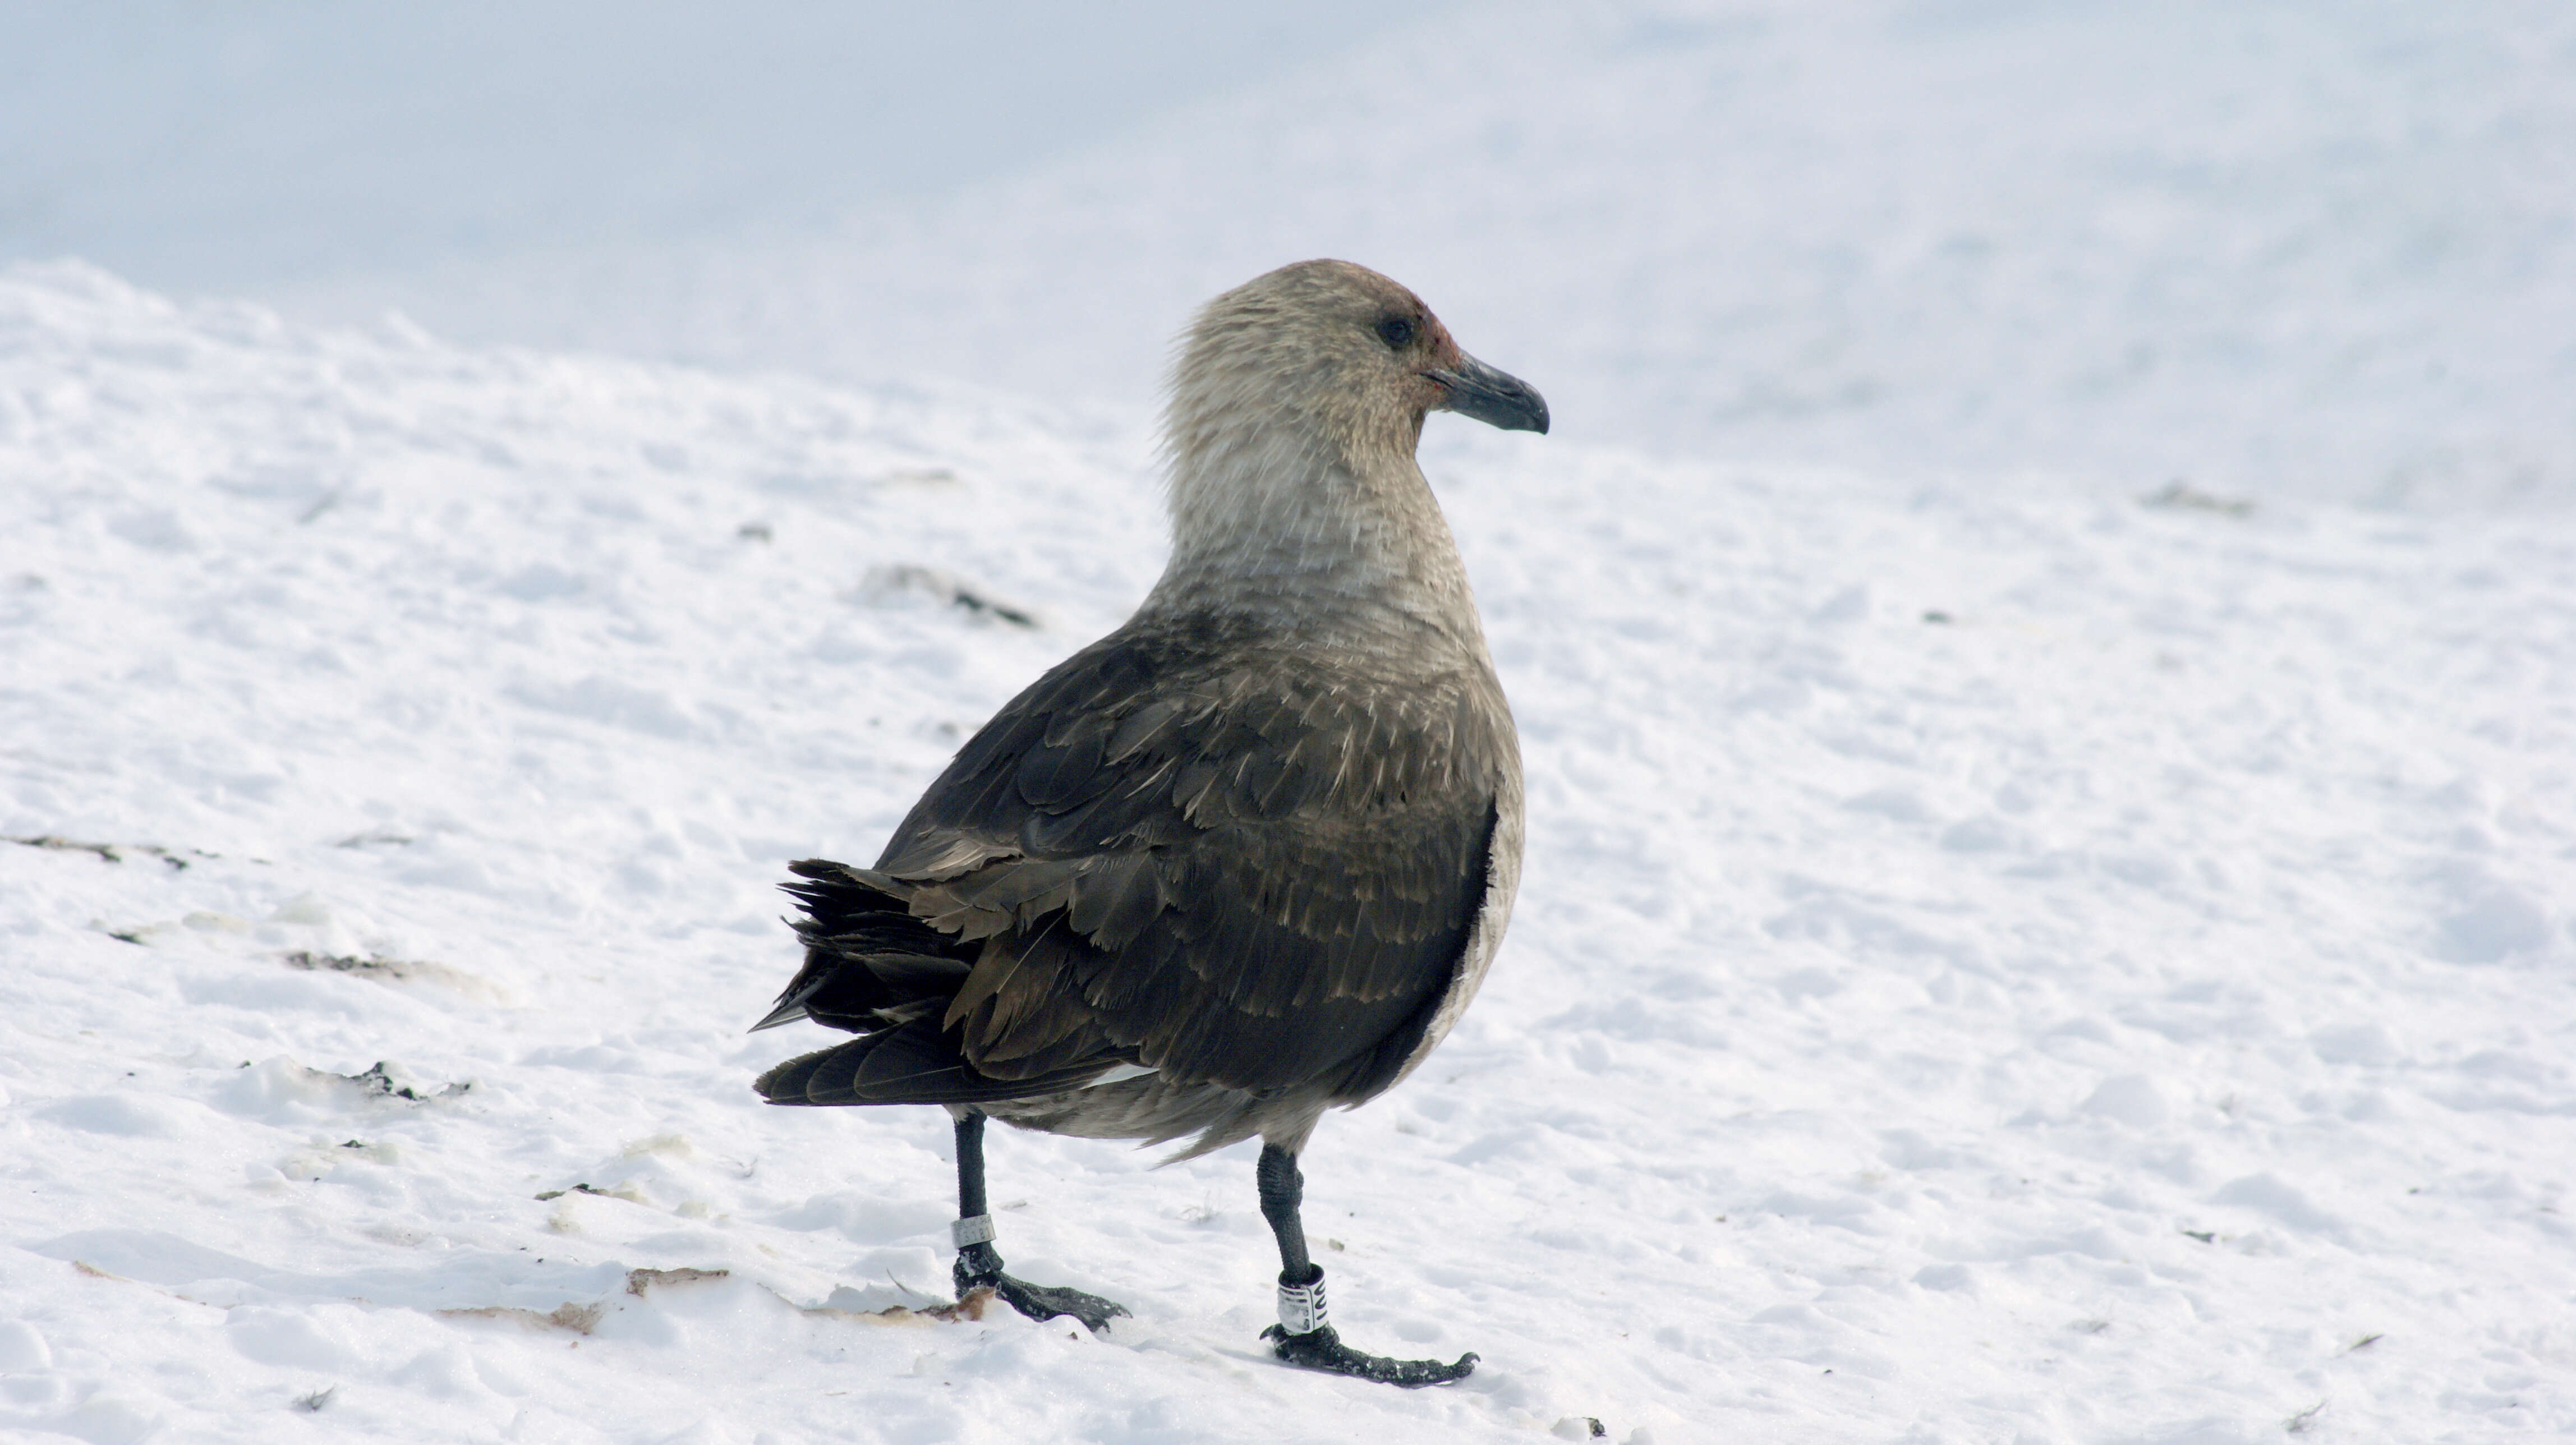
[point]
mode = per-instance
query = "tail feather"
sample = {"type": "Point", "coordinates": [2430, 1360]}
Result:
{"type": "Point", "coordinates": [877, 971]}
{"type": "Point", "coordinates": [786, 1083]}
{"type": "Point", "coordinates": [868, 962]}
{"type": "Point", "coordinates": [916, 1063]}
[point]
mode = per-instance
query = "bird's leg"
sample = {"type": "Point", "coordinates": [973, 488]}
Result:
{"type": "Point", "coordinates": [1302, 1336]}
{"type": "Point", "coordinates": [979, 1265]}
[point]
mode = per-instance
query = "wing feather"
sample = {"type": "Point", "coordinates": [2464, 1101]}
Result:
{"type": "Point", "coordinates": [1213, 855]}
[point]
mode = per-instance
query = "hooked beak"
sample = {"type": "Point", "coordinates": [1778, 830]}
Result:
{"type": "Point", "coordinates": [1496, 398]}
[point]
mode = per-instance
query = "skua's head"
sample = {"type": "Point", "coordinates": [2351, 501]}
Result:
{"type": "Point", "coordinates": [1336, 350]}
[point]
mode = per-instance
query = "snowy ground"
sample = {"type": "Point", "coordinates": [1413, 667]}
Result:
{"type": "Point", "coordinates": [2298, 249]}
{"type": "Point", "coordinates": [1994, 965]}
{"type": "Point", "coordinates": [2000, 959]}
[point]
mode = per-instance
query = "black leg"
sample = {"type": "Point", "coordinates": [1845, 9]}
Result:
{"type": "Point", "coordinates": [979, 1265]}
{"type": "Point", "coordinates": [1302, 1336]}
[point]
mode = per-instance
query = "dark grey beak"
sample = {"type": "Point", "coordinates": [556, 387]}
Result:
{"type": "Point", "coordinates": [1496, 398]}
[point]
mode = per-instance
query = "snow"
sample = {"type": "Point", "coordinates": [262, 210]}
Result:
{"type": "Point", "coordinates": [2318, 250]}
{"type": "Point", "coordinates": [1893, 1005]}
{"type": "Point", "coordinates": [2012, 949]}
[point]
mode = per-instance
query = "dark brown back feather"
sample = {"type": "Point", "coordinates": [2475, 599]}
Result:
{"type": "Point", "coordinates": [1208, 848]}
{"type": "Point", "coordinates": [1188, 846]}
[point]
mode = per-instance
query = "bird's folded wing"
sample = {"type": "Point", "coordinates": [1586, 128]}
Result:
{"type": "Point", "coordinates": [1234, 864]}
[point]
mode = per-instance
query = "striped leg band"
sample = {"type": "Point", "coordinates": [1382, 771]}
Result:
{"type": "Point", "coordinates": [1301, 1306]}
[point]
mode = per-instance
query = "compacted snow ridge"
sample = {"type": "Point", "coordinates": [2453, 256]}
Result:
{"type": "Point", "coordinates": [1995, 965]}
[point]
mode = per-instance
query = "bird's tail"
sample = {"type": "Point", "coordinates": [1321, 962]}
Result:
{"type": "Point", "coordinates": [869, 964]}
{"type": "Point", "coordinates": [914, 1063]}
{"type": "Point", "coordinates": [874, 969]}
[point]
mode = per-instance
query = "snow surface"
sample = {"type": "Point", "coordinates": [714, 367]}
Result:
{"type": "Point", "coordinates": [2012, 949]}
{"type": "Point", "coordinates": [2311, 249]}
{"type": "Point", "coordinates": [1995, 964]}
{"type": "Point", "coordinates": [2319, 249]}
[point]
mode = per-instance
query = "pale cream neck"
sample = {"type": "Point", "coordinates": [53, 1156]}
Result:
{"type": "Point", "coordinates": [1275, 517]}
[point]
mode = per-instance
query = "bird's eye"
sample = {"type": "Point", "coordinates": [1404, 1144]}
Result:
{"type": "Point", "coordinates": [1395, 331]}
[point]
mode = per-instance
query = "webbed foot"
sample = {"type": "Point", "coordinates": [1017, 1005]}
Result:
{"type": "Point", "coordinates": [1322, 1349]}
{"type": "Point", "coordinates": [1042, 1302]}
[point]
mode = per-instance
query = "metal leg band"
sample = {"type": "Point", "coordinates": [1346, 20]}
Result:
{"type": "Point", "coordinates": [971, 1231]}
{"type": "Point", "coordinates": [1301, 1306]}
